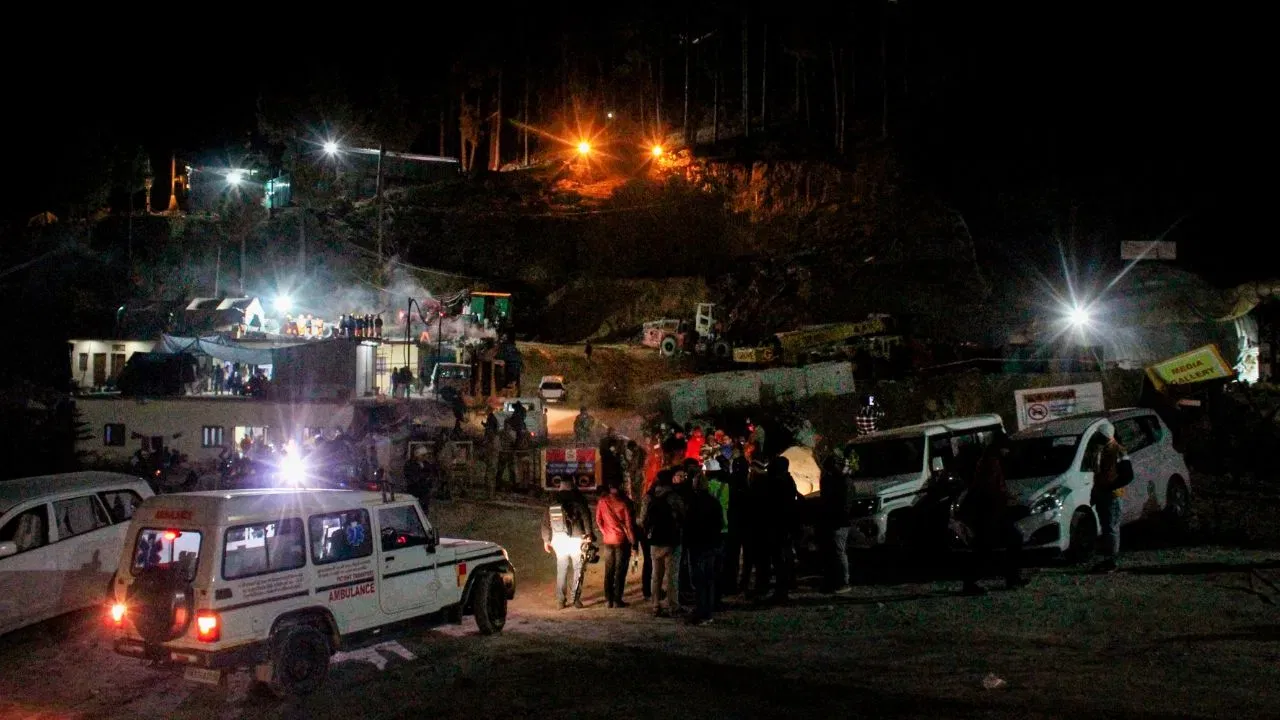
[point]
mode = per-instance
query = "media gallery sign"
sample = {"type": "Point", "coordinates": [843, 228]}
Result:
{"type": "Point", "coordinates": [1039, 405]}
{"type": "Point", "coordinates": [1203, 363]}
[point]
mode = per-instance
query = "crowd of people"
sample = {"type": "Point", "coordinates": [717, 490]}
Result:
{"type": "Point", "coordinates": [709, 514]}
{"type": "Point", "coordinates": [712, 515]}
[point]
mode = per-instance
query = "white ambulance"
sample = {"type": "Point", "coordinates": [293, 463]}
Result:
{"type": "Point", "coordinates": [277, 580]}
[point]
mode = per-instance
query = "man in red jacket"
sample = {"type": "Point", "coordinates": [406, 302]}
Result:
{"type": "Point", "coordinates": [615, 521]}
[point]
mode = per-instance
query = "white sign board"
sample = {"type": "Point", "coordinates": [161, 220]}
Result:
{"type": "Point", "coordinates": [1043, 404]}
{"type": "Point", "coordinates": [1148, 250]}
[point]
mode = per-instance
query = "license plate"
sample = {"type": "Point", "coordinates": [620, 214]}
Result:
{"type": "Point", "coordinates": [203, 675]}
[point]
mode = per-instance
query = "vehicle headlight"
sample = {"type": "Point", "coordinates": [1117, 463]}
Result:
{"type": "Point", "coordinates": [1050, 502]}
{"type": "Point", "coordinates": [293, 470]}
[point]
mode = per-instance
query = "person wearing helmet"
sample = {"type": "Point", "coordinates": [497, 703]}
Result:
{"type": "Point", "coordinates": [1108, 495]}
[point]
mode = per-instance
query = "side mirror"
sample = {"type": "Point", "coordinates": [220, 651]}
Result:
{"type": "Point", "coordinates": [936, 465]}
{"type": "Point", "coordinates": [433, 539]}
{"type": "Point", "coordinates": [7, 549]}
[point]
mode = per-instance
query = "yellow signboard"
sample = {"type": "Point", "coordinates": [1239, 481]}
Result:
{"type": "Point", "coordinates": [1199, 365]}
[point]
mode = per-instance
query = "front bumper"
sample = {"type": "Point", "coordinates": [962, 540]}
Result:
{"type": "Point", "coordinates": [221, 659]}
{"type": "Point", "coordinates": [868, 531]}
{"type": "Point", "coordinates": [1046, 531]}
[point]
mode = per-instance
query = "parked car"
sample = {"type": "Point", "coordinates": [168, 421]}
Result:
{"type": "Point", "coordinates": [552, 389]}
{"type": "Point", "coordinates": [895, 467]}
{"type": "Point", "coordinates": [60, 540]}
{"type": "Point", "coordinates": [278, 582]}
{"type": "Point", "coordinates": [535, 416]}
{"type": "Point", "coordinates": [1050, 467]}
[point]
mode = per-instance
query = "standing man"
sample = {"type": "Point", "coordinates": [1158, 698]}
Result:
{"type": "Point", "coordinates": [566, 528]}
{"type": "Point", "coordinates": [1108, 496]}
{"type": "Point", "coordinates": [587, 349]}
{"type": "Point", "coordinates": [868, 416]}
{"type": "Point", "coordinates": [662, 520]}
{"type": "Point", "coordinates": [702, 546]}
{"type": "Point", "coordinates": [835, 488]}
{"type": "Point", "coordinates": [419, 479]}
{"type": "Point", "coordinates": [613, 517]}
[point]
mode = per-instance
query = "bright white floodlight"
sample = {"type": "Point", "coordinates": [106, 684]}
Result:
{"type": "Point", "coordinates": [284, 303]}
{"type": "Point", "coordinates": [331, 148]}
{"type": "Point", "coordinates": [235, 177]}
{"type": "Point", "coordinates": [1078, 317]}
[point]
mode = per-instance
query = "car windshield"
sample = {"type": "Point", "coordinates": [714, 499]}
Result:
{"type": "Point", "coordinates": [167, 550]}
{"type": "Point", "coordinates": [552, 386]}
{"type": "Point", "coordinates": [1040, 456]}
{"type": "Point", "coordinates": [884, 458]}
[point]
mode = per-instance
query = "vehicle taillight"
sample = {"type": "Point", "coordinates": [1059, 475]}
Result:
{"type": "Point", "coordinates": [208, 627]}
{"type": "Point", "coordinates": [462, 574]}
{"type": "Point", "coordinates": [117, 614]}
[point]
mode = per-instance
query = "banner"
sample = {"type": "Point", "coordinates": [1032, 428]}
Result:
{"type": "Point", "coordinates": [1203, 363]}
{"type": "Point", "coordinates": [578, 464]}
{"type": "Point", "coordinates": [1039, 405]}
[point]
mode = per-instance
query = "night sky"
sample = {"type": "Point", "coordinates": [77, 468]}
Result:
{"type": "Point", "coordinates": [1144, 116]}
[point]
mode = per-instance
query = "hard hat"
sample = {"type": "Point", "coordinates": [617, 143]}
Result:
{"type": "Point", "coordinates": [1107, 430]}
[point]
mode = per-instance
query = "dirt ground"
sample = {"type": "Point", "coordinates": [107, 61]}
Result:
{"type": "Point", "coordinates": [1181, 632]}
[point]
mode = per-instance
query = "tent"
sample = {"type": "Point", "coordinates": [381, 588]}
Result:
{"type": "Point", "coordinates": [216, 347]}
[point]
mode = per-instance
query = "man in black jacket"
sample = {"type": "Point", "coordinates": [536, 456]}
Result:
{"type": "Point", "coordinates": [702, 546]}
{"type": "Point", "coordinates": [567, 526]}
{"type": "Point", "coordinates": [835, 488]}
{"type": "Point", "coordinates": [662, 520]}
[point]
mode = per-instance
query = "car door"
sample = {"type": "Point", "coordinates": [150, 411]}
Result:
{"type": "Point", "coordinates": [1137, 442]}
{"type": "Point", "coordinates": [87, 550]}
{"type": "Point", "coordinates": [28, 577]}
{"type": "Point", "coordinates": [409, 564]}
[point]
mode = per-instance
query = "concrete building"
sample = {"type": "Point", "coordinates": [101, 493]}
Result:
{"type": "Point", "coordinates": [96, 362]}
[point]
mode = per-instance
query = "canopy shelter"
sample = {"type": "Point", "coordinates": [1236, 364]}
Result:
{"type": "Point", "coordinates": [216, 347]}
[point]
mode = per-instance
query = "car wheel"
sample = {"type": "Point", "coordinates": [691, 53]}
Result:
{"type": "Point", "coordinates": [668, 346]}
{"type": "Point", "coordinates": [299, 660]}
{"type": "Point", "coordinates": [490, 605]}
{"type": "Point", "coordinates": [1177, 502]}
{"type": "Point", "coordinates": [1084, 537]}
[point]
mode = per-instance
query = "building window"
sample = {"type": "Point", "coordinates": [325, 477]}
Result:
{"type": "Point", "coordinates": [84, 362]}
{"type": "Point", "coordinates": [113, 434]}
{"type": "Point", "coordinates": [210, 436]}
{"type": "Point", "coordinates": [380, 365]}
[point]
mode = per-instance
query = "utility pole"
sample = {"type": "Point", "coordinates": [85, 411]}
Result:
{"type": "Point", "coordinates": [217, 272]}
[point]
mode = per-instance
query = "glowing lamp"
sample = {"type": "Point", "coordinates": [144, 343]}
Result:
{"type": "Point", "coordinates": [584, 147]}
{"type": "Point", "coordinates": [331, 148]}
{"type": "Point", "coordinates": [284, 303]}
{"type": "Point", "coordinates": [656, 150]}
{"type": "Point", "coordinates": [293, 470]}
{"type": "Point", "coordinates": [235, 177]}
{"type": "Point", "coordinates": [1078, 317]}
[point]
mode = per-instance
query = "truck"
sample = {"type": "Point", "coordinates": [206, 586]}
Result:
{"type": "Point", "coordinates": [704, 336]}
{"type": "Point", "coordinates": [795, 347]}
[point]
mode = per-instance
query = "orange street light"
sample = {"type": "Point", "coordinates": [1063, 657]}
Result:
{"type": "Point", "coordinates": [657, 151]}
{"type": "Point", "coordinates": [584, 147]}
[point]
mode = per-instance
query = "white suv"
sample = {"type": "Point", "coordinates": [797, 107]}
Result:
{"type": "Point", "coordinates": [279, 580]}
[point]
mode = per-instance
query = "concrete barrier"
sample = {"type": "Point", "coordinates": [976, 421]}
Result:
{"type": "Point", "coordinates": [683, 400]}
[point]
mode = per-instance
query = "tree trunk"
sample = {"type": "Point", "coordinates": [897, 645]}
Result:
{"type": "Point", "coordinates": [688, 139]}
{"type": "Point", "coordinates": [835, 87]}
{"type": "Point", "coordinates": [715, 98]}
{"type": "Point", "coordinates": [884, 73]}
{"type": "Point", "coordinates": [746, 75]}
{"type": "Point", "coordinates": [764, 73]}
{"type": "Point", "coordinates": [495, 146]}
{"type": "Point", "coordinates": [524, 128]}
{"type": "Point", "coordinates": [462, 131]}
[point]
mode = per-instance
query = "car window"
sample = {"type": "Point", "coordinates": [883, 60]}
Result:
{"type": "Point", "coordinates": [28, 530]}
{"type": "Point", "coordinates": [400, 528]}
{"type": "Point", "coordinates": [340, 536]}
{"type": "Point", "coordinates": [1089, 462]}
{"type": "Point", "coordinates": [1131, 435]}
{"type": "Point", "coordinates": [80, 515]}
{"type": "Point", "coordinates": [263, 548]}
{"type": "Point", "coordinates": [120, 504]}
{"type": "Point", "coordinates": [167, 549]}
{"type": "Point", "coordinates": [1154, 428]}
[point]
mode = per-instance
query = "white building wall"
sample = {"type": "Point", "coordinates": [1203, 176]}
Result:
{"type": "Point", "coordinates": [164, 417]}
{"type": "Point", "coordinates": [82, 368]}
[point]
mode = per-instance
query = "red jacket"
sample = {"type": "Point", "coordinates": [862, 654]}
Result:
{"type": "Point", "coordinates": [613, 518]}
